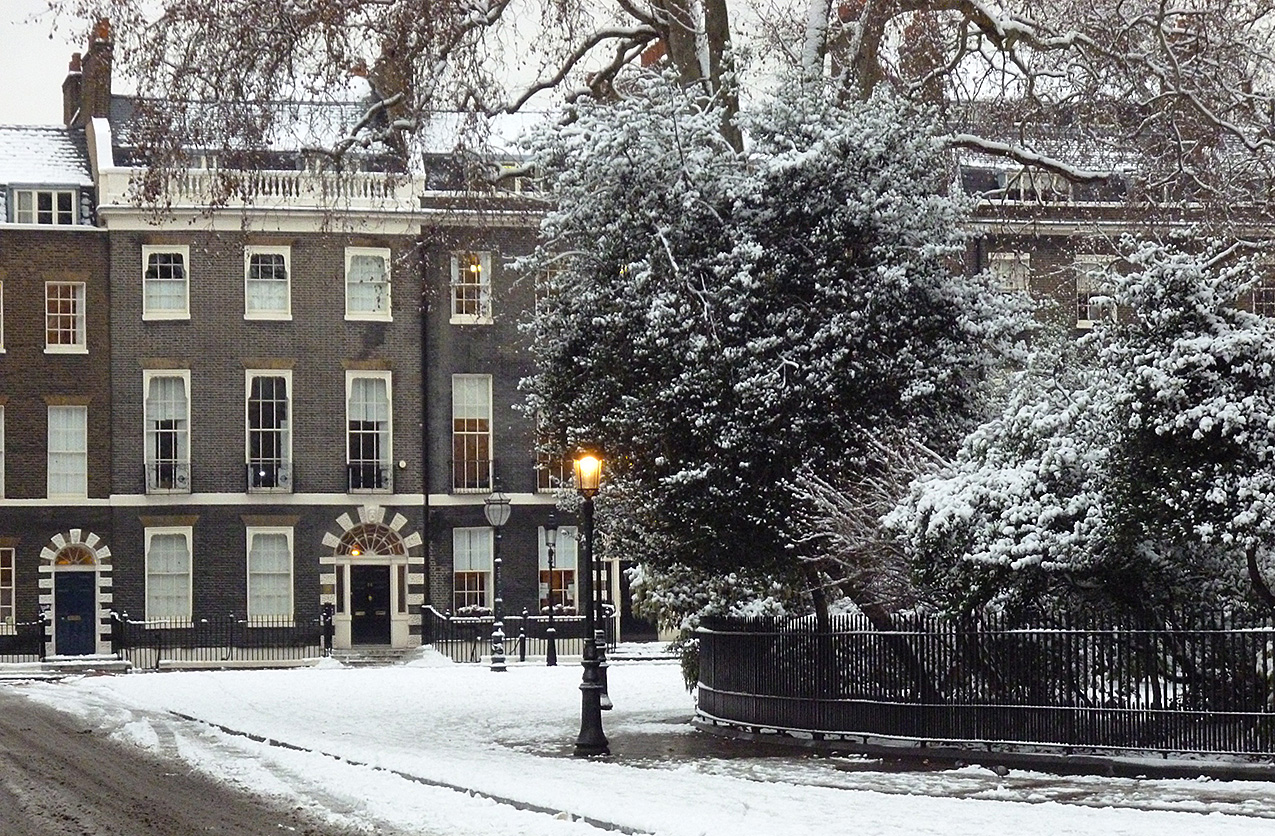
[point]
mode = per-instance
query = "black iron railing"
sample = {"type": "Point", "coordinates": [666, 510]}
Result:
{"type": "Point", "coordinates": [468, 638]}
{"type": "Point", "coordinates": [1208, 687]}
{"type": "Point", "coordinates": [227, 639]}
{"type": "Point", "coordinates": [168, 477]}
{"type": "Point", "coordinates": [23, 641]}
{"type": "Point", "coordinates": [269, 475]}
{"type": "Point", "coordinates": [368, 476]}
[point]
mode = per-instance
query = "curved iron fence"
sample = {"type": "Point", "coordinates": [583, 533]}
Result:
{"type": "Point", "coordinates": [1208, 687]}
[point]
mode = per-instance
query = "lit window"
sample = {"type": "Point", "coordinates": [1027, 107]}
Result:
{"type": "Point", "coordinates": [471, 289]}
{"type": "Point", "coordinates": [269, 573]}
{"type": "Point", "coordinates": [367, 283]}
{"type": "Point", "coordinates": [68, 452]}
{"type": "Point", "coordinates": [165, 283]}
{"type": "Point", "coordinates": [471, 432]}
{"type": "Point", "coordinates": [269, 441]}
{"type": "Point", "coordinates": [368, 431]}
{"type": "Point", "coordinates": [559, 586]}
{"type": "Point", "coordinates": [32, 206]}
{"type": "Point", "coordinates": [1010, 271]}
{"type": "Point", "coordinates": [168, 573]}
{"type": "Point", "coordinates": [267, 290]}
{"type": "Point", "coordinates": [167, 409]}
{"type": "Point", "coordinates": [64, 317]}
{"type": "Point", "coordinates": [471, 565]}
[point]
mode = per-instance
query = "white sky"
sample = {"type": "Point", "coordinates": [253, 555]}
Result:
{"type": "Point", "coordinates": [32, 65]}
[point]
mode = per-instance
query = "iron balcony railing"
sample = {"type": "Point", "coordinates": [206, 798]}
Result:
{"type": "Point", "coordinates": [369, 476]}
{"type": "Point", "coordinates": [168, 477]}
{"type": "Point", "coordinates": [269, 475]}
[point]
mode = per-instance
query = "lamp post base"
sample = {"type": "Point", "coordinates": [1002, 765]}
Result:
{"type": "Point", "coordinates": [592, 741]}
{"type": "Point", "coordinates": [551, 648]}
{"type": "Point", "coordinates": [498, 647]}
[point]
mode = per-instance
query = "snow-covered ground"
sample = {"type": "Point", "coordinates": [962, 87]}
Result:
{"type": "Point", "coordinates": [369, 747]}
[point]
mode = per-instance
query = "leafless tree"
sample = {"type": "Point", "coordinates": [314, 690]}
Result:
{"type": "Point", "coordinates": [1175, 98]}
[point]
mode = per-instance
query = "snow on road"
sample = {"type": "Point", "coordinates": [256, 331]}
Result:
{"type": "Point", "coordinates": [363, 735]}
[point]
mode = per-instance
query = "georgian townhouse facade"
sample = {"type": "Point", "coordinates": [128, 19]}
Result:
{"type": "Point", "coordinates": [55, 395]}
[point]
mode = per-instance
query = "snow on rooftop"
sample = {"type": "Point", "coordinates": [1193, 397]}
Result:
{"type": "Point", "coordinates": [43, 155]}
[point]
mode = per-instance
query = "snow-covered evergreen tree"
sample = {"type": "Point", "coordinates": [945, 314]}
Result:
{"type": "Point", "coordinates": [716, 323]}
{"type": "Point", "coordinates": [1139, 473]}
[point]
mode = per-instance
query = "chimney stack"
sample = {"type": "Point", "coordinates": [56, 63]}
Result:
{"type": "Point", "coordinates": [72, 90]}
{"type": "Point", "coordinates": [95, 80]}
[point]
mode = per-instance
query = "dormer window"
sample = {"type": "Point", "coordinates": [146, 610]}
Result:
{"type": "Point", "coordinates": [1034, 186]}
{"type": "Point", "coordinates": [44, 206]}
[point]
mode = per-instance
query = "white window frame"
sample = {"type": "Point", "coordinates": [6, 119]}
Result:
{"type": "Point", "coordinates": [1033, 185]}
{"type": "Point", "coordinates": [567, 545]}
{"type": "Point", "coordinates": [150, 313]}
{"type": "Point", "coordinates": [480, 482]}
{"type": "Point", "coordinates": [284, 313]}
{"type": "Point", "coordinates": [386, 313]}
{"type": "Point", "coordinates": [1088, 268]}
{"type": "Point", "coordinates": [387, 453]}
{"type": "Point", "coordinates": [187, 533]}
{"type": "Point", "coordinates": [31, 214]}
{"type": "Point", "coordinates": [1010, 270]}
{"type": "Point", "coordinates": [252, 531]}
{"type": "Point", "coordinates": [284, 481]}
{"type": "Point", "coordinates": [462, 265]}
{"type": "Point", "coordinates": [463, 539]}
{"type": "Point", "coordinates": [82, 455]}
{"type": "Point", "coordinates": [9, 564]}
{"type": "Point", "coordinates": [79, 320]}
{"type": "Point", "coordinates": [181, 473]}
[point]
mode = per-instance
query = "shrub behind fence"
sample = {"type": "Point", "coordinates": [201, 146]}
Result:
{"type": "Point", "coordinates": [1206, 687]}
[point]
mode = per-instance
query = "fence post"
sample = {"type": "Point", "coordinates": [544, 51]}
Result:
{"type": "Point", "coordinates": [522, 637]}
{"type": "Point", "coordinates": [329, 628]}
{"type": "Point", "coordinates": [45, 638]}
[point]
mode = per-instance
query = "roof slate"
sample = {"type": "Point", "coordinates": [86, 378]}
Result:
{"type": "Point", "coordinates": [43, 155]}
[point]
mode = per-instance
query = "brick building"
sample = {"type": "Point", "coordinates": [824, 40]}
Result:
{"type": "Point", "coordinates": [55, 395]}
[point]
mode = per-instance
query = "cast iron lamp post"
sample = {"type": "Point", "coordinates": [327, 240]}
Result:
{"type": "Point", "coordinates": [592, 740]}
{"type": "Point", "coordinates": [551, 635]}
{"type": "Point", "coordinates": [496, 508]}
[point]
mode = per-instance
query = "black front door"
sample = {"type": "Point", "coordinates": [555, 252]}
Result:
{"type": "Point", "coordinates": [370, 605]}
{"type": "Point", "coordinates": [75, 613]}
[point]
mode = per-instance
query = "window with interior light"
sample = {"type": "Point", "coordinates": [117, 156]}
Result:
{"type": "Point", "coordinates": [471, 569]}
{"type": "Point", "coordinates": [471, 288]}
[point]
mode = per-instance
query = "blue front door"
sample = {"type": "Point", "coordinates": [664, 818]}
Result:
{"type": "Point", "coordinates": [75, 613]}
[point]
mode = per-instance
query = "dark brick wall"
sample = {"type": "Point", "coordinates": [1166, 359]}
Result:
{"type": "Point", "coordinates": [28, 259]}
{"type": "Point", "coordinates": [216, 344]}
{"type": "Point", "coordinates": [219, 551]}
{"type": "Point", "coordinates": [29, 529]}
{"type": "Point", "coordinates": [500, 349]}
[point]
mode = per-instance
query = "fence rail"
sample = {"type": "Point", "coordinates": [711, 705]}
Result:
{"type": "Point", "coordinates": [468, 638]}
{"type": "Point", "coordinates": [1208, 687]}
{"type": "Point", "coordinates": [148, 644]}
{"type": "Point", "coordinates": [23, 642]}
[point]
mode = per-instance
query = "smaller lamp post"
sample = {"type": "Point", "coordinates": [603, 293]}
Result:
{"type": "Point", "coordinates": [551, 634]}
{"type": "Point", "coordinates": [496, 508]}
{"type": "Point", "coordinates": [592, 739]}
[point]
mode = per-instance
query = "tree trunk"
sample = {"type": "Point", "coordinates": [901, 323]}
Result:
{"type": "Point", "coordinates": [1260, 586]}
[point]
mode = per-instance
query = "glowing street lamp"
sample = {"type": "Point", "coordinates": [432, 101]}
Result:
{"type": "Point", "coordinates": [592, 739]}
